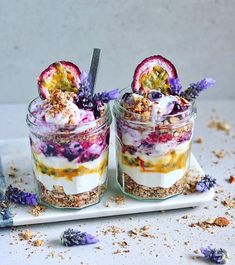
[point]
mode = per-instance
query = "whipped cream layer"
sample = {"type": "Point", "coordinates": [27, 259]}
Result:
{"type": "Point", "coordinates": [156, 179]}
{"type": "Point", "coordinates": [60, 110]}
{"type": "Point", "coordinates": [77, 184]}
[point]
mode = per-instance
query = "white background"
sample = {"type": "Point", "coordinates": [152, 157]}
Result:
{"type": "Point", "coordinates": [198, 36]}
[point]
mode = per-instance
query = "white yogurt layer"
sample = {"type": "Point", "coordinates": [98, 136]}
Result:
{"type": "Point", "coordinates": [154, 179]}
{"type": "Point", "coordinates": [78, 184]}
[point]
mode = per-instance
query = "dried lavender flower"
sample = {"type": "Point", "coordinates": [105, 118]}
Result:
{"type": "Point", "coordinates": [206, 183]}
{"type": "Point", "coordinates": [194, 89]}
{"type": "Point", "coordinates": [175, 86]}
{"type": "Point", "coordinates": [84, 81]}
{"type": "Point", "coordinates": [73, 237]}
{"type": "Point", "coordinates": [16, 195]}
{"type": "Point", "coordinates": [217, 256]}
{"type": "Point", "coordinates": [86, 100]}
{"type": "Point", "coordinates": [105, 97]}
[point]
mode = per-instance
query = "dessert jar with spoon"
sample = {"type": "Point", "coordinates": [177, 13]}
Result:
{"type": "Point", "coordinates": [69, 130]}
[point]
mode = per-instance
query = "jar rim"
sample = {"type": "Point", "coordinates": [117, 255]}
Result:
{"type": "Point", "coordinates": [106, 118]}
{"type": "Point", "coordinates": [119, 109]}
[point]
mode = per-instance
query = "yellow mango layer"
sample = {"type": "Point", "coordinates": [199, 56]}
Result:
{"type": "Point", "coordinates": [70, 173]}
{"type": "Point", "coordinates": [164, 164]}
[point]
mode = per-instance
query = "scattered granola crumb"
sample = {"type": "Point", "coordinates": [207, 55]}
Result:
{"type": "Point", "coordinates": [134, 232]}
{"type": "Point", "coordinates": [184, 217]}
{"type": "Point", "coordinates": [147, 234]}
{"type": "Point", "coordinates": [114, 230]}
{"type": "Point", "coordinates": [38, 243]}
{"type": "Point", "coordinates": [219, 126]}
{"type": "Point", "coordinates": [118, 251]}
{"type": "Point", "coordinates": [231, 179]}
{"type": "Point", "coordinates": [38, 210]}
{"type": "Point", "coordinates": [190, 187]}
{"type": "Point", "coordinates": [229, 203]}
{"type": "Point", "coordinates": [122, 244]}
{"type": "Point", "coordinates": [196, 251]}
{"type": "Point", "coordinates": [199, 140]}
{"type": "Point", "coordinates": [219, 154]}
{"type": "Point", "coordinates": [26, 235]}
{"type": "Point", "coordinates": [119, 199]}
{"type": "Point", "coordinates": [99, 247]}
{"type": "Point", "coordinates": [146, 227]}
{"type": "Point", "coordinates": [144, 232]}
{"type": "Point", "coordinates": [221, 221]}
{"type": "Point", "coordinates": [210, 221]}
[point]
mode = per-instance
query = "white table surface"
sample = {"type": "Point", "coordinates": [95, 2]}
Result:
{"type": "Point", "coordinates": [175, 241]}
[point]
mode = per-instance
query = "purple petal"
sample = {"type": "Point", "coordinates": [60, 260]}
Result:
{"type": "Point", "coordinates": [206, 83]}
{"type": "Point", "coordinates": [83, 77]}
{"type": "Point", "coordinates": [206, 251]}
{"type": "Point", "coordinates": [113, 94]}
{"type": "Point", "coordinates": [201, 187]}
{"type": "Point", "coordinates": [175, 85]}
{"type": "Point", "coordinates": [91, 239]}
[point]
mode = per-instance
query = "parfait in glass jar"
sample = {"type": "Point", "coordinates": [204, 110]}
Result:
{"type": "Point", "coordinates": [69, 136]}
{"type": "Point", "coordinates": [154, 127]}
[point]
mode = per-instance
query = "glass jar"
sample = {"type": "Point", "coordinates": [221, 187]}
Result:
{"type": "Point", "coordinates": [152, 157]}
{"type": "Point", "coordinates": [70, 162]}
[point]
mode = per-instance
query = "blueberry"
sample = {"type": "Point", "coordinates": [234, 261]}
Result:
{"type": "Point", "coordinates": [50, 150]}
{"type": "Point", "coordinates": [85, 103]}
{"type": "Point", "coordinates": [72, 150]}
{"type": "Point", "coordinates": [77, 148]}
{"type": "Point", "coordinates": [98, 109]}
{"type": "Point", "coordinates": [155, 95]}
{"type": "Point", "coordinates": [69, 154]}
{"type": "Point", "coordinates": [126, 96]}
{"type": "Point", "coordinates": [177, 108]}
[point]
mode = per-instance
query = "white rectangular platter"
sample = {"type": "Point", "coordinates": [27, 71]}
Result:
{"type": "Point", "coordinates": [17, 153]}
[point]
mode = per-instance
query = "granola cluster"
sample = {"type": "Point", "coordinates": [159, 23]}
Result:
{"type": "Point", "coordinates": [58, 198]}
{"type": "Point", "coordinates": [61, 104]}
{"type": "Point", "coordinates": [137, 104]}
{"type": "Point", "coordinates": [144, 192]}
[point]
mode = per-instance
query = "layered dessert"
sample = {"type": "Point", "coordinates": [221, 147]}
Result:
{"type": "Point", "coordinates": [154, 128]}
{"type": "Point", "coordinates": [69, 137]}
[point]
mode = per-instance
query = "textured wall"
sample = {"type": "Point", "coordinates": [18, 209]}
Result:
{"type": "Point", "coordinates": [198, 36]}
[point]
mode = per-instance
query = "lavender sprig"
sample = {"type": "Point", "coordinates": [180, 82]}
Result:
{"type": "Point", "coordinates": [206, 183]}
{"type": "Point", "coordinates": [195, 88]}
{"type": "Point", "coordinates": [16, 195]}
{"type": "Point", "coordinates": [217, 256]}
{"type": "Point", "coordinates": [105, 97]}
{"type": "Point", "coordinates": [73, 237]}
{"type": "Point", "coordinates": [84, 90]}
{"type": "Point", "coordinates": [175, 86]}
{"type": "Point", "coordinates": [86, 100]}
